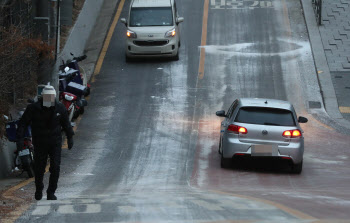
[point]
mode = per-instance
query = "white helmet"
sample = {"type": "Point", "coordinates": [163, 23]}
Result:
{"type": "Point", "coordinates": [49, 96]}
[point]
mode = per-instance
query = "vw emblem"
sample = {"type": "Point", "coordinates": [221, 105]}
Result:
{"type": "Point", "coordinates": [264, 132]}
{"type": "Point", "coordinates": [150, 35]}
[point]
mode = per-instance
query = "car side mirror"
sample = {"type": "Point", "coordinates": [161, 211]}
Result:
{"type": "Point", "coordinates": [302, 119]}
{"type": "Point", "coordinates": [221, 113]}
{"type": "Point", "coordinates": [123, 20]}
{"type": "Point", "coordinates": [179, 20]}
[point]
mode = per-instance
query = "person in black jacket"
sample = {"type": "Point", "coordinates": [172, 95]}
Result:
{"type": "Point", "coordinates": [47, 118]}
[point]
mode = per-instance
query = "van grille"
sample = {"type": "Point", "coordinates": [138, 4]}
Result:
{"type": "Point", "coordinates": [151, 42]}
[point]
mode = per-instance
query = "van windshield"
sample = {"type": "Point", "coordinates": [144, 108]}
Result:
{"type": "Point", "coordinates": [151, 16]}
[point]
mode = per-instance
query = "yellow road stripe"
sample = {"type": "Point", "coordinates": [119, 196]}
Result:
{"type": "Point", "coordinates": [291, 211]}
{"type": "Point", "coordinates": [107, 40]}
{"type": "Point", "coordinates": [204, 40]}
{"type": "Point", "coordinates": [345, 110]}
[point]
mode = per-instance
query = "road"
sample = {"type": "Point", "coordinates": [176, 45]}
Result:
{"type": "Point", "coordinates": [146, 147]}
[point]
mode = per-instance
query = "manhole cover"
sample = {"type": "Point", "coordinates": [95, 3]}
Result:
{"type": "Point", "coordinates": [314, 104]}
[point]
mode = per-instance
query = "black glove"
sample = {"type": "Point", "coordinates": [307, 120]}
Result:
{"type": "Point", "coordinates": [20, 145]}
{"type": "Point", "coordinates": [70, 143]}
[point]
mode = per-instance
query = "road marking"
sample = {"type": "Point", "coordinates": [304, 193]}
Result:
{"type": "Point", "coordinates": [240, 4]}
{"type": "Point", "coordinates": [85, 208]}
{"type": "Point", "coordinates": [107, 41]}
{"type": "Point", "coordinates": [204, 40]}
{"type": "Point", "coordinates": [42, 210]}
{"type": "Point", "coordinates": [344, 110]}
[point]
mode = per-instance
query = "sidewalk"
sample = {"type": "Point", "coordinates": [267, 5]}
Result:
{"type": "Point", "coordinates": [95, 30]}
{"type": "Point", "coordinates": [330, 44]}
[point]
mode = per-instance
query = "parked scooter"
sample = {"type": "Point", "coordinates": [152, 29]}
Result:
{"type": "Point", "coordinates": [24, 157]}
{"type": "Point", "coordinates": [73, 87]}
{"type": "Point", "coordinates": [75, 73]}
{"type": "Point", "coordinates": [74, 105]}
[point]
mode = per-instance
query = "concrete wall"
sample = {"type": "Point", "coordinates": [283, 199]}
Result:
{"type": "Point", "coordinates": [79, 35]}
{"type": "Point", "coordinates": [6, 157]}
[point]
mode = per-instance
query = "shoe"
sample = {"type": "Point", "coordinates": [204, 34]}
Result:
{"type": "Point", "coordinates": [38, 195]}
{"type": "Point", "coordinates": [51, 197]}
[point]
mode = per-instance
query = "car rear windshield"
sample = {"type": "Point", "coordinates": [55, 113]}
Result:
{"type": "Point", "coordinates": [265, 116]}
{"type": "Point", "coordinates": [151, 16]}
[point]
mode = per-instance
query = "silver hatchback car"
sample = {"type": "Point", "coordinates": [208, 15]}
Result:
{"type": "Point", "coordinates": [255, 127]}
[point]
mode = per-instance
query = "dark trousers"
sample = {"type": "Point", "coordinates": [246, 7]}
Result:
{"type": "Point", "coordinates": [41, 153]}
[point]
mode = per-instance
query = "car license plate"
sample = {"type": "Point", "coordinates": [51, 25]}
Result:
{"type": "Point", "coordinates": [264, 150]}
{"type": "Point", "coordinates": [24, 152]}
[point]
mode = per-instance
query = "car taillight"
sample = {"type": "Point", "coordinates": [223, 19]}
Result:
{"type": "Point", "coordinates": [237, 129]}
{"type": "Point", "coordinates": [292, 134]}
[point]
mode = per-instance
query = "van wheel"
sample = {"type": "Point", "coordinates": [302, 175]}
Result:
{"type": "Point", "coordinates": [128, 59]}
{"type": "Point", "coordinates": [176, 57]}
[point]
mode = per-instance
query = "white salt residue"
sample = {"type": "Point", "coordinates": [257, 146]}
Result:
{"type": "Point", "coordinates": [317, 198]}
{"type": "Point", "coordinates": [314, 159]}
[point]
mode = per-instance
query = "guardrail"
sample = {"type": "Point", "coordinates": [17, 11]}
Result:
{"type": "Point", "coordinates": [317, 5]}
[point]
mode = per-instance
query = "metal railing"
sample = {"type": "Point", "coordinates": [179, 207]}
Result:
{"type": "Point", "coordinates": [317, 5]}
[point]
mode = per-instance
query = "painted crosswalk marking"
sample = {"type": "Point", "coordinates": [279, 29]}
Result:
{"type": "Point", "coordinates": [240, 4]}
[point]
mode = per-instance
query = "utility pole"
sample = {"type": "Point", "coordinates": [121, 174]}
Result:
{"type": "Point", "coordinates": [54, 27]}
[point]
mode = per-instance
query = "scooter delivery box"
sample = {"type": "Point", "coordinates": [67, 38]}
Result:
{"type": "Point", "coordinates": [11, 129]}
{"type": "Point", "coordinates": [76, 89]}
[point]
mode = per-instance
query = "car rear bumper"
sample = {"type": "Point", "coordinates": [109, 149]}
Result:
{"type": "Point", "coordinates": [170, 49]}
{"type": "Point", "coordinates": [293, 151]}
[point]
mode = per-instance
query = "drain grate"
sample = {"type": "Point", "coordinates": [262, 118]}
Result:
{"type": "Point", "coordinates": [314, 104]}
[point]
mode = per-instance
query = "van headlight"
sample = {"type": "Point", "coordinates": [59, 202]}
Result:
{"type": "Point", "coordinates": [170, 33]}
{"type": "Point", "coordinates": [131, 34]}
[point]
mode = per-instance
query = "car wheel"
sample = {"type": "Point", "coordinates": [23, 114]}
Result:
{"type": "Point", "coordinates": [297, 168]}
{"type": "Point", "coordinates": [225, 162]}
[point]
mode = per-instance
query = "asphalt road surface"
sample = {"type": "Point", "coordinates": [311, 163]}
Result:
{"type": "Point", "coordinates": [146, 147]}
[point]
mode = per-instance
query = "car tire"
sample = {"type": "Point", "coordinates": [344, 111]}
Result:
{"type": "Point", "coordinates": [225, 162]}
{"type": "Point", "coordinates": [297, 168]}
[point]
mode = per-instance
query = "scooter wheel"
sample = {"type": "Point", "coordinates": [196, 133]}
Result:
{"type": "Point", "coordinates": [28, 166]}
{"type": "Point", "coordinates": [87, 93]}
{"type": "Point", "coordinates": [82, 110]}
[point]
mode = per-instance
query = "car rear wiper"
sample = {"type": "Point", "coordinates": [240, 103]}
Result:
{"type": "Point", "coordinates": [268, 123]}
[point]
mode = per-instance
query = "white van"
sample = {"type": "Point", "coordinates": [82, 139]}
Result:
{"type": "Point", "coordinates": [152, 29]}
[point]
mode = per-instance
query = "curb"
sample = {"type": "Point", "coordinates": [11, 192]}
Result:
{"type": "Point", "coordinates": [330, 102]}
